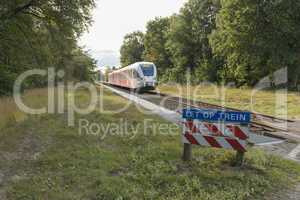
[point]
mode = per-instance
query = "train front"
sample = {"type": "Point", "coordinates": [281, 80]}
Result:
{"type": "Point", "coordinates": [149, 77]}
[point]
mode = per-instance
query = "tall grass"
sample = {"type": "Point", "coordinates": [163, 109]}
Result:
{"type": "Point", "coordinates": [263, 101]}
{"type": "Point", "coordinates": [9, 111]}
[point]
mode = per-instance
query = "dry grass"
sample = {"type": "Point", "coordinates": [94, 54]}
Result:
{"type": "Point", "coordinates": [10, 113]}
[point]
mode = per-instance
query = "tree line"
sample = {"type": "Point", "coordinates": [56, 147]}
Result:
{"type": "Point", "coordinates": [221, 41]}
{"type": "Point", "coordinates": [38, 34]}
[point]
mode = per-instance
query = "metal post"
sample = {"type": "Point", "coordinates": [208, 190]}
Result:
{"type": "Point", "coordinates": [187, 152]}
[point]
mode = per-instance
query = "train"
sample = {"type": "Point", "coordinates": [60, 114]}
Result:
{"type": "Point", "coordinates": [140, 76]}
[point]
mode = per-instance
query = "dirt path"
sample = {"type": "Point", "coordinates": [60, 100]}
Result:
{"type": "Point", "coordinates": [28, 149]}
{"type": "Point", "coordinates": [288, 151]}
{"type": "Point", "coordinates": [292, 194]}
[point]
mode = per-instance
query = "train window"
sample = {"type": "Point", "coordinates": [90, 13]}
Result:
{"type": "Point", "coordinates": [148, 69]}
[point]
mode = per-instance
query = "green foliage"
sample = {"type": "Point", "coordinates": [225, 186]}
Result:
{"type": "Point", "coordinates": [132, 48]}
{"type": "Point", "coordinates": [257, 38]}
{"type": "Point", "coordinates": [180, 43]}
{"type": "Point", "coordinates": [83, 65]}
{"type": "Point", "coordinates": [6, 80]}
{"type": "Point", "coordinates": [240, 41]}
{"type": "Point", "coordinates": [188, 38]}
{"type": "Point", "coordinates": [155, 41]}
{"type": "Point", "coordinates": [41, 34]}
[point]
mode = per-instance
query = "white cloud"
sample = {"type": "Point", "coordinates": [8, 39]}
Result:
{"type": "Point", "coordinates": [106, 58]}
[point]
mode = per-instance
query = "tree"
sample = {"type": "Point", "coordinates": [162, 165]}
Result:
{"type": "Point", "coordinates": [257, 38]}
{"type": "Point", "coordinates": [83, 65]}
{"type": "Point", "coordinates": [189, 40]}
{"type": "Point", "coordinates": [132, 49]}
{"type": "Point", "coordinates": [107, 71]}
{"type": "Point", "coordinates": [155, 41]}
{"type": "Point", "coordinates": [40, 34]}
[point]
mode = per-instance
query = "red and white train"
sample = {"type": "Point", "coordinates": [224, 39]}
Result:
{"type": "Point", "coordinates": [139, 76]}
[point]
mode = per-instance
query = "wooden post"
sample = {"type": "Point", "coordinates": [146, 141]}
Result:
{"type": "Point", "coordinates": [187, 152]}
{"type": "Point", "coordinates": [240, 158]}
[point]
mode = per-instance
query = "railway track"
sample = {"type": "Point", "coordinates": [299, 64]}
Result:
{"type": "Point", "coordinates": [264, 124]}
{"type": "Point", "coordinates": [258, 120]}
{"type": "Point", "coordinates": [288, 148]}
{"type": "Point", "coordinates": [209, 105]}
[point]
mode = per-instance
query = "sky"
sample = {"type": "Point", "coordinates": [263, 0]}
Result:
{"type": "Point", "coordinates": [113, 19]}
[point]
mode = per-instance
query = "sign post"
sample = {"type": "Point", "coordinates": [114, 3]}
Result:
{"type": "Point", "coordinates": [187, 152]}
{"type": "Point", "coordinates": [217, 129]}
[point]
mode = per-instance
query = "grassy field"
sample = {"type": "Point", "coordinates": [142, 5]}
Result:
{"type": "Point", "coordinates": [10, 114]}
{"type": "Point", "coordinates": [42, 158]}
{"type": "Point", "coordinates": [241, 98]}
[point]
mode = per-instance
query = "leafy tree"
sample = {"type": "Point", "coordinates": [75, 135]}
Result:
{"type": "Point", "coordinates": [258, 37]}
{"type": "Point", "coordinates": [155, 41]}
{"type": "Point", "coordinates": [40, 34]}
{"type": "Point", "coordinates": [222, 40]}
{"type": "Point", "coordinates": [107, 71]}
{"type": "Point", "coordinates": [132, 48]}
{"type": "Point", "coordinates": [189, 40]}
{"type": "Point", "coordinates": [83, 65]}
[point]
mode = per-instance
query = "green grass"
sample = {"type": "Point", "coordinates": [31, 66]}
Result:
{"type": "Point", "coordinates": [52, 161]}
{"type": "Point", "coordinates": [240, 98]}
{"type": "Point", "coordinates": [10, 113]}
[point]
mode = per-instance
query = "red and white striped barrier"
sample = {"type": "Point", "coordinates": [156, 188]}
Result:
{"type": "Point", "coordinates": [222, 130]}
{"type": "Point", "coordinates": [215, 135]}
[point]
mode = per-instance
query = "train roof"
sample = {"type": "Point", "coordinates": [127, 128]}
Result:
{"type": "Point", "coordinates": [132, 66]}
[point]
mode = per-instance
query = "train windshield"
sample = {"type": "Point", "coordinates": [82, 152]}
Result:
{"type": "Point", "coordinates": [148, 69]}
